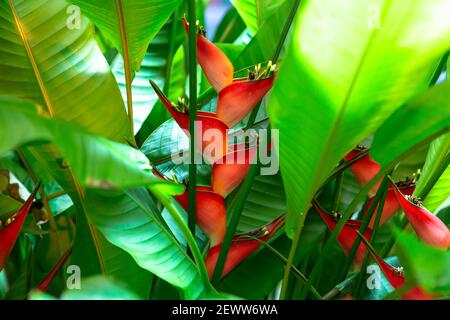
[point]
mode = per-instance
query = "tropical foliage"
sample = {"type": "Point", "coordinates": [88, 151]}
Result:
{"type": "Point", "coordinates": [99, 105]}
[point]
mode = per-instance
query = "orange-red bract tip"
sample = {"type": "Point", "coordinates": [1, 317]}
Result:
{"type": "Point", "coordinates": [428, 227]}
{"type": "Point", "coordinates": [348, 234]}
{"type": "Point", "coordinates": [364, 169]}
{"type": "Point", "coordinates": [43, 285]}
{"type": "Point", "coordinates": [210, 212]}
{"type": "Point", "coordinates": [241, 248]}
{"type": "Point", "coordinates": [217, 67]}
{"type": "Point", "coordinates": [230, 171]}
{"type": "Point", "coordinates": [240, 97]}
{"type": "Point", "coordinates": [9, 234]}
{"type": "Point", "coordinates": [395, 276]}
{"type": "Point", "coordinates": [391, 205]}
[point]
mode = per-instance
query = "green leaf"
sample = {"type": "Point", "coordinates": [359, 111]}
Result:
{"type": "Point", "coordinates": [154, 66]}
{"type": "Point", "coordinates": [59, 66]}
{"type": "Point", "coordinates": [130, 25]}
{"type": "Point", "coordinates": [426, 266]}
{"type": "Point", "coordinates": [342, 85]}
{"type": "Point", "coordinates": [440, 191]}
{"type": "Point", "coordinates": [435, 180]}
{"type": "Point", "coordinates": [255, 12]}
{"type": "Point", "coordinates": [230, 28]}
{"type": "Point", "coordinates": [265, 202]}
{"type": "Point", "coordinates": [128, 220]}
{"type": "Point", "coordinates": [430, 112]}
{"type": "Point", "coordinates": [263, 45]}
{"type": "Point", "coordinates": [97, 162]}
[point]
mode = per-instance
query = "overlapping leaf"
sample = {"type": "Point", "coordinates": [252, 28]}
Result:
{"type": "Point", "coordinates": [349, 66]}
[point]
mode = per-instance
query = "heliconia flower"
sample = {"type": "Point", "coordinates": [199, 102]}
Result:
{"type": "Point", "coordinates": [9, 229]}
{"type": "Point", "coordinates": [391, 204]}
{"type": "Point", "coordinates": [237, 97]}
{"type": "Point", "coordinates": [43, 285]}
{"type": "Point", "coordinates": [241, 96]}
{"type": "Point", "coordinates": [208, 122]}
{"type": "Point", "coordinates": [230, 171]}
{"type": "Point", "coordinates": [428, 227]}
{"type": "Point", "coordinates": [241, 247]}
{"type": "Point", "coordinates": [395, 276]}
{"type": "Point", "coordinates": [210, 212]}
{"type": "Point", "coordinates": [348, 234]}
{"type": "Point", "coordinates": [364, 169]}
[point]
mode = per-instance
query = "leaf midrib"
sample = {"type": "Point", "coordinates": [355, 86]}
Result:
{"type": "Point", "coordinates": [30, 56]}
{"type": "Point", "coordinates": [126, 60]}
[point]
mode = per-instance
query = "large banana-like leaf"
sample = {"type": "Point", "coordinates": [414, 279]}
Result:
{"type": "Point", "coordinates": [156, 64]}
{"type": "Point", "coordinates": [21, 126]}
{"type": "Point", "coordinates": [430, 112]}
{"type": "Point", "coordinates": [130, 25]}
{"type": "Point", "coordinates": [350, 64]}
{"type": "Point", "coordinates": [127, 219]}
{"type": "Point", "coordinates": [50, 57]}
{"type": "Point", "coordinates": [96, 161]}
{"type": "Point", "coordinates": [255, 12]}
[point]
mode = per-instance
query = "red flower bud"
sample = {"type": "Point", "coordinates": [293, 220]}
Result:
{"type": "Point", "coordinates": [9, 229]}
{"type": "Point", "coordinates": [208, 121]}
{"type": "Point", "coordinates": [391, 204]}
{"type": "Point", "coordinates": [216, 65]}
{"type": "Point", "coordinates": [364, 169]}
{"type": "Point", "coordinates": [240, 97]}
{"type": "Point", "coordinates": [428, 227]}
{"type": "Point", "coordinates": [228, 172]}
{"type": "Point", "coordinates": [237, 97]}
{"type": "Point", "coordinates": [241, 247]}
{"type": "Point", "coordinates": [395, 276]}
{"type": "Point", "coordinates": [210, 212]}
{"type": "Point", "coordinates": [348, 234]}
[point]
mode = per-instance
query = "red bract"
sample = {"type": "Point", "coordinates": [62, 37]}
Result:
{"type": "Point", "coordinates": [228, 172]}
{"type": "Point", "coordinates": [210, 212]}
{"type": "Point", "coordinates": [241, 247]}
{"type": "Point", "coordinates": [391, 204]}
{"type": "Point", "coordinates": [240, 97]}
{"type": "Point", "coordinates": [213, 133]}
{"type": "Point", "coordinates": [43, 285]}
{"type": "Point", "coordinates": [216, 65]}
{"type": "Point", "coordinates": [428, 227]}
{"type": "Point", "coordinates": [364, 169]}
{"type": "Point", "coordinates": [237, 97]}
{"type": "Point", "coordinates": [11, 228]}
{"type": "Point", "coordinates": [348, 234]}
{"type": "Point", "coordinates": [395, 276]}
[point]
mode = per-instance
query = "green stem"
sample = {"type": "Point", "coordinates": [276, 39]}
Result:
{"type": "Point", "coordinates": [381, 194]}
{"type": "Point", "coordinates": [192, 115]}
{"type": "Point", "coordinates": [285, 31]}
{"type": "Point", "coordinates": [338, 191]}
{"type": "Point", "coordinates": [297, 273]}
{"type": "Point", "coordinates": [385, 187]}
{"type": "Point", "coordinates": [276, 55]}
